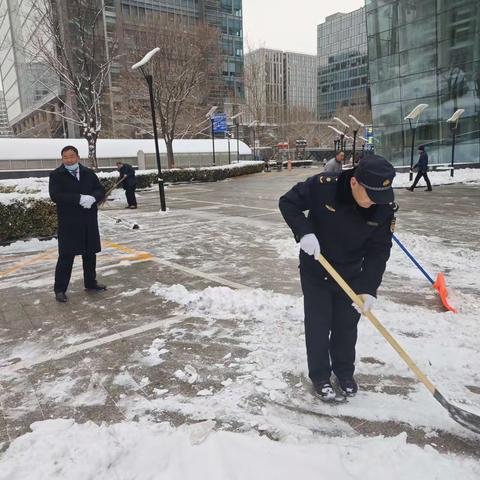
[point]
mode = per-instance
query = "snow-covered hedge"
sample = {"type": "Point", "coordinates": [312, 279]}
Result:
{"type": "Point", "coordinates": [147, 178]}
{"type": "Point", "coordinates": [27, 218]}
{"type": "Point", "coordinates": [28, 213]}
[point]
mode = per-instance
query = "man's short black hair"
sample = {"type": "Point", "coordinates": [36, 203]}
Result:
{"type": "Point", "coordinates": [340, 152]}
{"type": "Point", "coordinates": [69, 147]}
{"type": "Point", "coordinates": [119, 163]}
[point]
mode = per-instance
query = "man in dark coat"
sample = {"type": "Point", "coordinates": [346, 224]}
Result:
{"type": "Point", "coordinates": [350, 218]}
{"type": "Point", "coordinates": [76, 190]}
{"type": "Point", "coordinates": [422, 166]}
{"type": "Point", "coordinates": [127, 173]}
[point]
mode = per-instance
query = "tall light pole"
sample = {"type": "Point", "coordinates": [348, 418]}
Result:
{"type": "Point", "coordinates": [454, 121]}
{"type": "Point", "coordinates": [142, 66]}
{"type": "Point", "coordinates": [359, 125]}
{"type": "Point", "coordinates": [345, 127]}
{"type": "Point", "coordinates": [414, 116]}
{"type": "Point", "coordinates": [253, 125]}
{"type": "Point", "coordinates": [341, 134]}
{"type": "Point", "coordinates": [236, 119]}
{"type": "Point", "coordinates": [211, 117]}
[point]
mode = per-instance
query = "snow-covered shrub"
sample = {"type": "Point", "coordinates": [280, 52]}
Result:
{"type": "Point", "coordinates": [27, 219]}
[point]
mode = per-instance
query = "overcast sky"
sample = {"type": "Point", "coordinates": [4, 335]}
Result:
{"type": "Point", "coordinates": [289, 24]}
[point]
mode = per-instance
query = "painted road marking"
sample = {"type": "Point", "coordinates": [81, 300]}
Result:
{"type": "Point", "coordinates": [66, 352]}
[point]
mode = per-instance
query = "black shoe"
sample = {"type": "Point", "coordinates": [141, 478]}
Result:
{"type": "Point", "coordinates": [97, 287]}
{"type": "Point", "coordinates": [410, 189]}
{"type": "Point", "coordinates": [61, 297]}
{"type": "Point", "coordinates": [348, 386]}
{"type": "Point", "coordinates": [324, 390]}
{"type": "Point", "coordinates": [133, 207]}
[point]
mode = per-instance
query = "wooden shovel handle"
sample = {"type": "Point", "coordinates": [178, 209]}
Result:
{"type": "Point", "coordinates": [376, 323]}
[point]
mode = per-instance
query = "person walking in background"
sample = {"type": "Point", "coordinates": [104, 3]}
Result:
{"type": "Point", "coordinates": [422, 166]}
{"type": "Point", "coordinates": [127, 173]}
{"type": "Point", "coordinates": [75, 190]}
{"type": "Point", "coordinates": [334, 165]}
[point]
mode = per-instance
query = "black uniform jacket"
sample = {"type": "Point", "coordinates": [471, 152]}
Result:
{"type": "Point", "coordinates": [77, 226]}
{"type": "Point", "coordinates": [357, 241]}
{"type": "Point", "coordinates": [128, 170]}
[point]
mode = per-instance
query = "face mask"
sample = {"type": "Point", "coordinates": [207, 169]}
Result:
{"type": "Point", "coordinates": [72, 168]}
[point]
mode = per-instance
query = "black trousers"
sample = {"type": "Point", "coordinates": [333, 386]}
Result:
{"type": "Point", "coordinates": [419, 176]}
{"type": "Point", "coordinates": [330, 328]}
{"type": "Point", "coordinates": [131, 198]}
{"type": "Point", "coordinates": [63, 272]}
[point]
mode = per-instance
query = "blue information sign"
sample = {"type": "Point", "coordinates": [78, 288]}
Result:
{"type": "Point", "coordinates": [370, 136]}
{"type": "Point", "coordinates": [220, 123]}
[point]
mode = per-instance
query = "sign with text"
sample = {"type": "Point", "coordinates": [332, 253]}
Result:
{"type": "Point", "coordinates": [220, 123]}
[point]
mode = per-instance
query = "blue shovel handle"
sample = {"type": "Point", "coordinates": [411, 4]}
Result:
{"type": "Point", "coordinates": [412, 258]}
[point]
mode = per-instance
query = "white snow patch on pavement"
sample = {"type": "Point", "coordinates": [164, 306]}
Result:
{"type": "Point", "coordinates": [59, 449]}
{"type": "Point", "coordinates": [462, 175]}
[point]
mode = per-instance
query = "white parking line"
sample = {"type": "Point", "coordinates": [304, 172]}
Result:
{"type": "Point", "coordinates": [66, 352]}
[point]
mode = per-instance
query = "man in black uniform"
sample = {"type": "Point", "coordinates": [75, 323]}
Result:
{"type": "Point", "coordinates": [349, 222]}
{"type": "Point", "coordinates": [76, 190]}
{"type": "Point", "coordinates": [422, 166]}
{"type": "Point", "coordinates": [129, 183]}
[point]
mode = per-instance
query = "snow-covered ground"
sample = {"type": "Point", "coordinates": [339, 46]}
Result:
{"type": "Point", "coordinates": [61, 449]}
{"type": "Point", "coordinates": [246, 385]}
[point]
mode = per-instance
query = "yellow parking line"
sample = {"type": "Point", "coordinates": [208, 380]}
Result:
{"type": "Point", "coordinates": [134, 256]}
{"type": "Point", "coordinates": [27, 262]}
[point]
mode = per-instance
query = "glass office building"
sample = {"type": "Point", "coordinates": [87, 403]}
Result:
{"type": "Point", "coordinates": [427, 51]}
{"type": "Point", "coordinates": [226, 15]}
{"type": "Point", "coordinates": [342, 63]}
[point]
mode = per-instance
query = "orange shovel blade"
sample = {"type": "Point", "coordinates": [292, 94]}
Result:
{"type": "Point", "coordinates": [441, 288]}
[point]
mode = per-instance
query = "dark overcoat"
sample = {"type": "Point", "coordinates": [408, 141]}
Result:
{"type": "Point", "coordinates": [77, 226]}
{"type": "Point", "coordinates": [129, 171]}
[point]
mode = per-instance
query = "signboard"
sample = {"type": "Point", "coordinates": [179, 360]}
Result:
{"type": "Point", "coordinates": [370, 136]}
{"type": "Point", "coordinates": [220, 123]}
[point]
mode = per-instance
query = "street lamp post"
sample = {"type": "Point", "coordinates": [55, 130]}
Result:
{"type": "Point", "coordinates": [229, 136]}
{"type": "Point", "coordinates": [454, 121]}
{"type": "Point", "coordinates": [236, 119]}
{"type": "Point", "coordinates": [342, 136]}
{"type": "Point", "coordinates": [210, 116]}
{"type": "Point", "coordinates": [355, 133]}
{"type": "Point", "coordinates": [414, 115]}
{"type": "Point", "coordinates": [141, 65]}
{"type": "Point", "coordinates": [253, 125]}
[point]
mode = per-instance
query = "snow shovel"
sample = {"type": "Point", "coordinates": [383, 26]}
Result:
{"type": "Point", "coordinates": [109, 191]}
{"type": "Point", "coordinates": [463, 417]}
{"type": "Point", "coordinates": [439, 285]}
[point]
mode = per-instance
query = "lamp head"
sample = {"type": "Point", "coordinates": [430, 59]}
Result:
{"type": "Point", "coordinates": [145, 59]}
{"type": "Point", "coordinates": [415, 113]}
{"type": "Point", "coordinates": [454, 118]}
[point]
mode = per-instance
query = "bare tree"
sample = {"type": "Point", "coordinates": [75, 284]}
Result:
{"type": "Point", "coordinates": [70, 41]}
{"type": "Point", "coordinates": [256, 86]}
{"type": "Point", "coordinates": [185, 72]}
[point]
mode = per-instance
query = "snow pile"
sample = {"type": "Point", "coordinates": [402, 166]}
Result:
{"type": "Point", "coordinates": [60, 449]}
{"type": "Point", "coordinates": [463, 175]}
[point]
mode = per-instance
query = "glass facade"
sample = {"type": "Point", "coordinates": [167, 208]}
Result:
{"type": "Point", "coordinates": [226, 15]}
{"type": "Point", "coordinates": [342, 63]}
{"type": "Point", "coordinates": [26, 81]}
{"type": "Point", "coordinates": [427, 51]}
{"type": "Point", "coordinates": [4, 125]}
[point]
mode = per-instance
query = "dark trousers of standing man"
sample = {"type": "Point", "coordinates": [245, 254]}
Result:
{"type": "Point", "coordinates": [130, 194]}
{"type": "Point", "coordinates": [330, 328]}
{"type": "Point", "coordinates": [419, 176]}
{"type": "Point", "coordinates": [63, 272]}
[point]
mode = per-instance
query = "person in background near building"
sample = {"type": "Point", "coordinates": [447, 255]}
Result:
{"type": "Point", "coordinates": [350, 222]}
{"type": "Point", "coordinates": [334, 165]}
{"type": "Point", "coordinates": [129, 183]}
{"type": "Point", "coordinates": [76, 190]}
{"type": "Point", "coordinates": [422, 166]}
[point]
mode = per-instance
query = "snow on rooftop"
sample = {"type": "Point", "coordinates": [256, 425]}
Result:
{"type": "Point", "coordinates": [50, 148]}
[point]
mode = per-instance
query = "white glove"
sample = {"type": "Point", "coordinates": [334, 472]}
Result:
{"type": "Point", "coordinates": [309, 244]}
{"type": "Point", "coordinates": [368, 303]}
{"type": "Point", "coordinates": [86, 201]}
